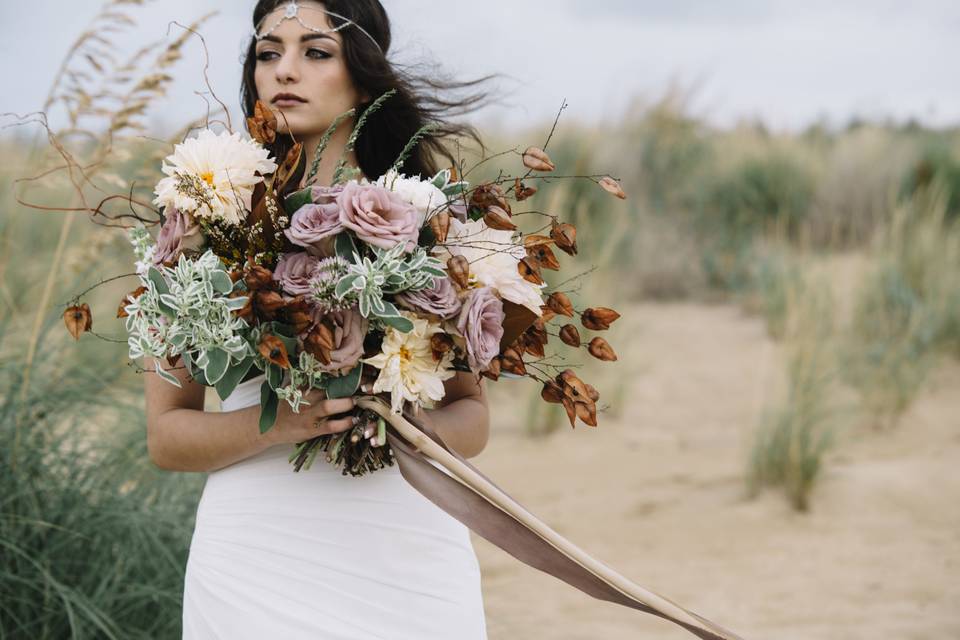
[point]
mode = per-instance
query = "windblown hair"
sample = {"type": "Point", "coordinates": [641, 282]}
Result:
{"type": "Point", "coordinates": [417, 101]}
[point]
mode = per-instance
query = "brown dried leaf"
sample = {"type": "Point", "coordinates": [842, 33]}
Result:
{"type": "Point", "coordinates": [133, 295]}
{"type": "Point", "coordinates": [263, 124]}
{"type": "Point", "coordinates": [78, 319]}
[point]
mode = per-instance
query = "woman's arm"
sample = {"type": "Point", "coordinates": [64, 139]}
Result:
{"type": "Point", "coordinates": [181, 436]}
{"type": "Point", "coordinates": [462, 418]}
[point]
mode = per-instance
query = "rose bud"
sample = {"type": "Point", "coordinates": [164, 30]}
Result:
{"type": "Point", "coordinates": [600, 349]}
{"type": "Point", "coordinates": [536, 159]}
{"type": "Point", "coordinates": [599, 318]}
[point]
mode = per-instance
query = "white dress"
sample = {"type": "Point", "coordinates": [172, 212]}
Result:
{"type": "Point", "coordinates": [315, 554]}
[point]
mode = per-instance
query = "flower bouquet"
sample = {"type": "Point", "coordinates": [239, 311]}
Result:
{"type": "Point", "coordinates": [391, 285]}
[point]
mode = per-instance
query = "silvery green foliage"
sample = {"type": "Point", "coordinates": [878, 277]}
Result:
{"type": "Point", "coordinates": [307, 375]}
{"type": "Point", "coordinates": [390, 272]}
{"type": "Point", "coordinates": [143, 247]}
{"type": "Point", "coordinates": [185, 310]}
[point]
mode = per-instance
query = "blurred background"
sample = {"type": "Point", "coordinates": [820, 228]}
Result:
{"type": "Point", "coordinates": [780, 439]}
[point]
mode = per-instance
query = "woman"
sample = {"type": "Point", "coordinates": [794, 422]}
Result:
{"type": "Point", "coordinates": [315, 554]}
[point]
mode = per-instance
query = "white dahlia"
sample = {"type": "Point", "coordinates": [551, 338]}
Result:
{"type": "Point", "coordinates": [407, 368]}
{"type": "Point", "coordinates": [493, 256]}
{"type": "Point", "coordinates": [421, 194]}
{"type": "Point", "coordinates": [212, 176]}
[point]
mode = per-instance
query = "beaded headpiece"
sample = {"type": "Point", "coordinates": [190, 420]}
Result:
{"type": "Point", "coordinates": [292, 12]}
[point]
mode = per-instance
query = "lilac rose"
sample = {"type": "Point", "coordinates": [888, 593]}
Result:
{"type": "Point", "coordinates": [314, 224]}
{"type": "Point", "coordinates": [481, 323]}
{"type": "Point", "coordinates": [294, 271]}
{"type": "Point", "coordinates": [378, 216]}
{"type": "Point", "coordinates": [349, 328]}
{"type": "Point", "coordinates": [177, 234]}
{"type": "Point", "coordinates": [440, 299]}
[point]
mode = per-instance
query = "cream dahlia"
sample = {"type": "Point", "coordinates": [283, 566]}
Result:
{"type": "Point", "coordinates": [407, 368]}
{"type": "Point", "coordinates": [212, 176]}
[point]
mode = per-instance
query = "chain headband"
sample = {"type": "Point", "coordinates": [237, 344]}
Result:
{"type": "Point", "coordinates": [292, 12]}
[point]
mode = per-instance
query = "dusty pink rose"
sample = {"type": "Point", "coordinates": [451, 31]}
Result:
{"type": "Point", "coordinates": [481, 323]}
{"type": "Point", "coordinates": [349, 330]}
{"type": "Point", "coordinates": [294, 271]}
{"type": "Point", "coordinates": [439, 300]}
{"type": "Point", "coordinates": [177, 234]}
{"type": "Point", "coordinates": [313, 225]}
{"type": "Point", "coordinates": [378, 216]}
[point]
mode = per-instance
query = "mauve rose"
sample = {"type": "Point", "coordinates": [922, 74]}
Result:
{"type": "Point", "coordinates": [177, 234]}
{"type": "Point", "coordinates": [481, 323]}
{"type": "Point", "coordinates": [440, 299]}
{"type": "Point", "coordinates": [378, 216]}
{"type": "Point", "coordinates": [313, 225]}
{"type": "Point", "coordinates": [294, 271]}
{"type": "Point", "coordinates": [349, 330]}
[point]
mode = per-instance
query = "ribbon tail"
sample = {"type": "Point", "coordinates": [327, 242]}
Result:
{"type": "Point", "coordinates": [456, 486]}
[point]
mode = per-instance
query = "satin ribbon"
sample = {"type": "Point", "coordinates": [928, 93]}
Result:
{"type": "Point", "coordinates": [460, 489]}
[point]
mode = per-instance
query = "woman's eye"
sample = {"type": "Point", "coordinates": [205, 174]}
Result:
{"type": "Point", "coordinates": [265, 55]}
{"type": "Point", "coordinates": [317, 53]}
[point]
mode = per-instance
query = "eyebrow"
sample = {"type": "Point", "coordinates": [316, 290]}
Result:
{"type": "Point", "coordinates": [304, 38]}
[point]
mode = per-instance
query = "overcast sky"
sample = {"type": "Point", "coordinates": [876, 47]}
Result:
{"type": "Point", "coordinates": [786, 62]}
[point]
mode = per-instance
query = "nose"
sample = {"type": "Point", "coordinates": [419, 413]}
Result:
{"type": "Point", "coordinates": [287, 68]}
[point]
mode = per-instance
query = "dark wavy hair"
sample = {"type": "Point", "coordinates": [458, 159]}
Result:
{"type": "Point", "coordinates": [417, 101]}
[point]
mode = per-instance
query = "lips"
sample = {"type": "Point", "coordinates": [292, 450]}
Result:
{"type": "Point", "coordinates": [287, 99]}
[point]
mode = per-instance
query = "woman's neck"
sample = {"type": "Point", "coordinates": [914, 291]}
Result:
{"type": "Point", "coordinates": [331, 154]}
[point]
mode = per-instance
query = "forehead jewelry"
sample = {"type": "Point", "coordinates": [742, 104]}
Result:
{"type": "Point", "coordinates": [292, 12]}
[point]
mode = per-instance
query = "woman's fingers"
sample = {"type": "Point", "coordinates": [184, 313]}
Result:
{"type": "Point", "coordinates": [336, 426]}
{"type": "Point", "coordinates": [338, 405]}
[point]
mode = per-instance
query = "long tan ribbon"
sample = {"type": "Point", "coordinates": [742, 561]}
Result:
{"type": "Point", "coordinates": [460, 489]}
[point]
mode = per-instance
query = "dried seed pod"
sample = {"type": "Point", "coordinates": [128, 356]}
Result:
{"type": "Point", "coordinates": [569, 335]}
{"type": "Point", "coordinates": [522, 191]}
{"type": "Point", "coordinates": [560, 304]}
{"type": "Point", "coordinates": [573, 387]}
{"type": "Point", "coordinates": [532, 345]}
{"type": "Point", "coordinates": [300, 320]}
{"type": "Point", "coordinates": [78, 319]}
{"type": "Point", "coordinates": [612, 186]}
{"type": "Point", "coordinates": [546, 313]}
{"type": "Point", "coordinates": [529, 270]}
{"type": "Point", "coordinates": [133, 295]}
{"type": "Point", "coordinates": [440, 225]}
{"type": "Point", "coordinates": [325, 335]}
{"type": "Point", "coordinates": [269, 301]}
{"type": "Point", "coordinates": [172, 360]}
{"type": "Point", "coordinates": [601, 350]}
{"type": "Point", "coordinates": [512, 362]}
{"type": "Point", "coordinates": [487, 195]}
{"type": "Point", "coordinates": [263, 124]}
{"type": "Point", "coordinates": [592, 393]}
{"type": "Point", "coordinates": [552, 392]}
{"type": "Point", "coordinates": [272, 348]}
{"type": "Point", "coordinates": [296, 303]}
{"type": "Point", "coordinates": [598, 318]}
{"type": "Point", "coordinates": [544, 256]}
{"type": "Point", "coordinates": [258, 277]}
{"type": "Point", "coordinates": [571, 410]}
{"type": "Point", "coordinates": [535, 240]}
{"type": "Point", "coordinates": [537, 159]}
{"type": "Point", "coordinates": [440, 343]}
{"type": "Point", "coordinates": [493, 370]}
{"type": "Point", "coordinates": [312, 344]}
{"type": "Point", "coordinates": [586, 411]}
{"type": "Point", "coordinates": [459, 270]}
{"type": "Point", "coordinates": [497, 218]}
{"type": "Point", "coordinates": [565, 236]}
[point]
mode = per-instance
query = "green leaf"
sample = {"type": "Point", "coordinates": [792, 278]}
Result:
{"type": "Point", "coordinates": [296, 200]}
{"type": "Point", "coordinates": [218, 361]}
{"type": "Point", "coordinates": [399, 323]}
{"type": "Point", "coordinates": [166, 375]}
{"type": "Point", "coordinates": [274, 375]}
{"type": "Point", "coordinates": [345, 285]}
{"type": "Point", "coordinates": [158, 280]}
{"type": "Point", "coordinates": [441, 178]}
{"type": "Point", "coordinates": [232, 377]}
{"type": "Point", "coordinates": [268, 407]}
{"type": "Point", "coordinates": [221, 282]}
{"type": "Point", "coordinates": [344, 245]}
{"type": "Point", "coordinates": [345, 386]}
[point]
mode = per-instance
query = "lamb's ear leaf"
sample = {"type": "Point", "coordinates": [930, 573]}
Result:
{"type": "Point", "coordinates": [345, 386]}
{"type": "Point", "coordinates": [268, 407]}
{"type": "Point", "coordinates": [217, 364]}
{"type": "Point", "coordinates": [166, 375]}
{"type": "Point", "coordinates": [399, 323]}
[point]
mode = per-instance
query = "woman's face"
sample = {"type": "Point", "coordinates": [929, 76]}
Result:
{"type": "Point", "coordinates": [309, 65]}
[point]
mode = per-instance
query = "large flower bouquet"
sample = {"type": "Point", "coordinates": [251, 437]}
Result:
{"type": "Point", "coordinates": [394, 284]}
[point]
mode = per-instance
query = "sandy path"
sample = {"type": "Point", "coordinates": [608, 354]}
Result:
{"type": "Point", "coordinates": [658, 494]}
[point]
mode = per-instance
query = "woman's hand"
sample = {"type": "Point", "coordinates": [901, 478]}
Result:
{"type": "Point", "coordinates": [313, 420]}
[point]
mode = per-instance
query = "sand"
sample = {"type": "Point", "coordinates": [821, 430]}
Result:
{"type": "Point", "coordinates": [658, 493]}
